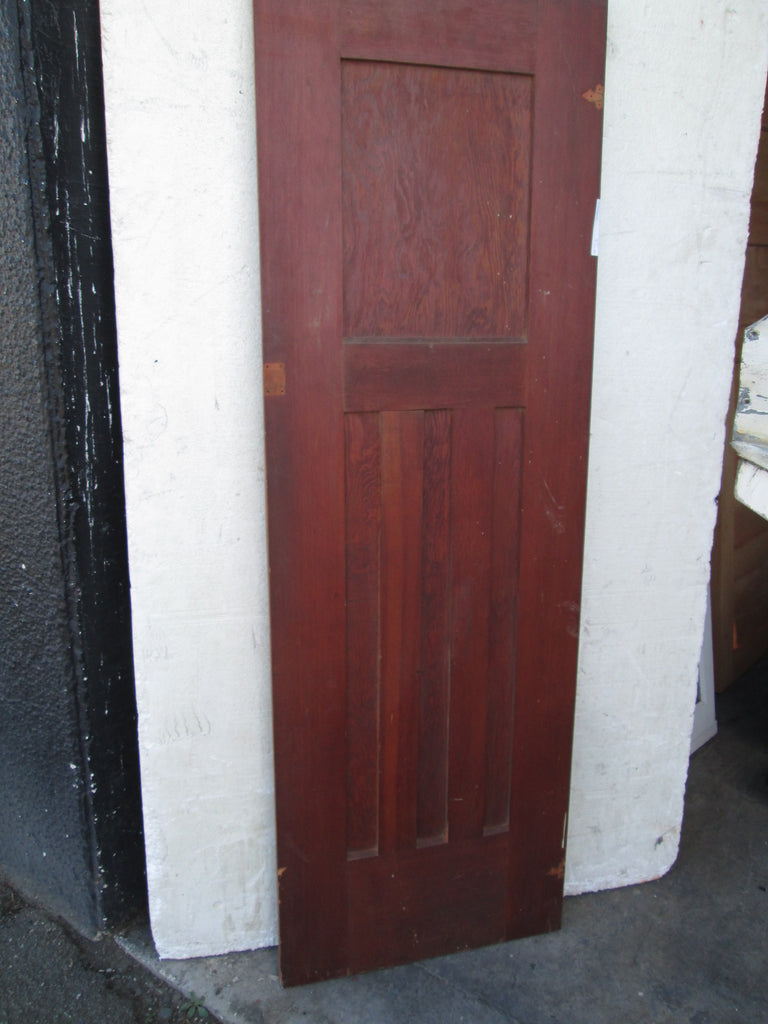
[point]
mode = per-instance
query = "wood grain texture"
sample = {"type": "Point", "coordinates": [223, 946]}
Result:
{"type": "Point", "coordinates": [566, 176]}
{"type": "Point", "coordinates": [428, 285]}
{"type": "Point", "coordinates": [471, 498]}
{"type": "Point", "coordinates": [402, 488]}
{"type": "Point", "coordinates": [363, 517]}
{"type": "Point", "coordinates": [435, 671]}
{"type": "Point", "coordinates": [300, 227]}
{"type": "Point", "coordinates": [502, 616]}
{"type": "Point", "coordinates": [451, 33]}
{"type": "Point", "coordinates": [432, 576]}
{"type": "Point", "coordinates": [436, 165]}
{"type": "Point", "coordinates": [400, 914]}
{"type": "Point", "coordinates": [433, 375]}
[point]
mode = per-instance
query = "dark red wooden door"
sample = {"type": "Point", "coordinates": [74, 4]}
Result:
{"type": "Point", "coordinates": [428, 173]}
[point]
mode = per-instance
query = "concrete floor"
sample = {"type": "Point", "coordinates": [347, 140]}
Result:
{"type": "Point", "coordinates": [687, 948]}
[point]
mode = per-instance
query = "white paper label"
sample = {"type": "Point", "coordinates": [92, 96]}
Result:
{"type": "Point", "coordinates": [596, 230]}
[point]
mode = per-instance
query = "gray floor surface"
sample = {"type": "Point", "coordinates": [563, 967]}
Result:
{"type": "Point", "coordinates": [689, 947]}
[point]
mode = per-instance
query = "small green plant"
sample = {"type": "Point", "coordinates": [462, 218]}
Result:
{"type": "Point", "coordinates": [193, 1008]}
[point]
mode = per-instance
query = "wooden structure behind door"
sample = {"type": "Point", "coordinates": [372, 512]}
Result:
{"type": "Point", "coordinates": [740, 552]}
{"type": "Point", "coordinates": [428, 173]}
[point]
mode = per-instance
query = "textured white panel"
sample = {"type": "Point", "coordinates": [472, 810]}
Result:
{"type": "Point", "coordinates": [752, 487]}
{"type": "Point", "coordinates": [181, 131]}
{"type": "Point", "coordinates": [683, 95]}
{"type": "Point", "coordinates": [750, 427]}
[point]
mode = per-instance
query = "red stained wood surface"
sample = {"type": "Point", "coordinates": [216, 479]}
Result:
{"type": "Point", "coordinates": [435, 666]}
{"type": "Point", "coordinates": [428, 173]}
{"type": "Point", "coordinates": [434, 375]}
{"type": "Point", "coordinates": [502, 615]}
{"type": "Point", "coordinates": [435, 178]}
{"type": "Point", "coordinates": [472, 511]}
{"type": "Point", "coordinates": [363, 507]}
{"type": "Point", "coordinates": [451, 33]}
{"type": "Point", "coordinates": [402, 489]}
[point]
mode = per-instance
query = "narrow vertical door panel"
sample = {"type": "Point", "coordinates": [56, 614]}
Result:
{"type": "Point", "coordinates": [428, 173]}
{"type": "Point", "coordinates": [363, 527]}
{"type": "Point", "coordinates": [435, 663]}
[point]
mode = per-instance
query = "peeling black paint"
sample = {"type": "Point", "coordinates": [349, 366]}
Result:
{"type": "Point", "coordinates": [67, 703]}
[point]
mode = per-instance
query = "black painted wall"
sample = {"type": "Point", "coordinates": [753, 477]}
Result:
{"type": "Point", "coordinates": [70, 818]}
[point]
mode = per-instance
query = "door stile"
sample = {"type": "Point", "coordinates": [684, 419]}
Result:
{"type": "Point", "coordinates": [298, 83]}
{"type": "Point", "coordinates": [566, 177]}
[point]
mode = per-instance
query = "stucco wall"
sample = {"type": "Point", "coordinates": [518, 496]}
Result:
{"type": "Point", "coordinates": [684, 84]}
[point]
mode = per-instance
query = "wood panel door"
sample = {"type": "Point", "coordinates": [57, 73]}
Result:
{"type": "Point", "coordinates": [428, 173]}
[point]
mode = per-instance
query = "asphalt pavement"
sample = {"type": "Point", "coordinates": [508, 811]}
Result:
{"type": "Point", "coordinates": [49, 974]}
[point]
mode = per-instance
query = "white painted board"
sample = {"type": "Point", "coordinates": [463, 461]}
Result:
{"type": "Point", "coordinates": [750, 427]}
